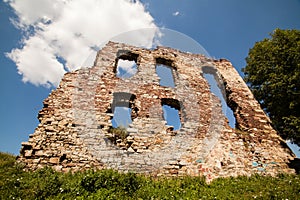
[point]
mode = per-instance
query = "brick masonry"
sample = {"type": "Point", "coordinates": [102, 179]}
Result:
{"type": "Point", "coordinates": [75, 123]}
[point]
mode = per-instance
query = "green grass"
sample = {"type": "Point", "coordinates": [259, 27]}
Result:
{"type": "Point", "coordinates": [108, 184]}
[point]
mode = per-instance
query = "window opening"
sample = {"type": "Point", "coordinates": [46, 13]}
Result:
{"type": "Point", "coordinates": [122, 117]}
{"type": "Point", "coordinates": [122, 108]}
{"type": "Point", "coordinates": [126, 64]}
{"type": "Point", "coordinates": [294, 147]}
{"type": "Point", "coordinates": [164, 70]}
{"type": "Point", "coordinates": [210, 76]}
{"type": "Point", "coordinates": [171, 112]}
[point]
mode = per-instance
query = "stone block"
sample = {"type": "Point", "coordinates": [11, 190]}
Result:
{"type": "Point", "coordinates": [132, 130]}
{"type": "Point", "coordinates": [39, 153]}
{"type": "Point", "coordinates": [28, 153]}
{"type": "Point", "coordinates": [54, 160]}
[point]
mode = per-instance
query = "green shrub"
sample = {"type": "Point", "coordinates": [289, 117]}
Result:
{"type": "Point", "coordinates": [125, 183]}
{"type": "Point", "coordinates": [118, 133]}
{"type": "Point", "coordinates": [46, 182]}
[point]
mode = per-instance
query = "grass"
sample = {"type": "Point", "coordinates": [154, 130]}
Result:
{"type": "Point", "coordinates": [108, 184]}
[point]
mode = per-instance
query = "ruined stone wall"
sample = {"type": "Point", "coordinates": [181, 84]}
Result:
{"type": "Point", "coordinates": [75, 124]}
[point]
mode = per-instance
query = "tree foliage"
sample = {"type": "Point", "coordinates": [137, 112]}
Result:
{"type": "Point", "coordinates": [273, 74]}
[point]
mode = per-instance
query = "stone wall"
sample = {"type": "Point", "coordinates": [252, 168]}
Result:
{"type": "Point", "coordinates": [75, 130]}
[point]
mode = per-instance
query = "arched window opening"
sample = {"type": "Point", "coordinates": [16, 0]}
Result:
{"type": "Point", "coordinates": [171, 112]}
{"type": "Point", "coordinates": [217, 88]}
{"type": "Point", "coordinates": [165, 71]}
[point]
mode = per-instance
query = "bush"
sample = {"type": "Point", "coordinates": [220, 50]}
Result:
{"type": "Point", "coordinates": [125, 183]}
{"type": "Point", "coordinates": [117, 133]}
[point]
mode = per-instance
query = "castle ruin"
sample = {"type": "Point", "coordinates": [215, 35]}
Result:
{"type": "Point", "coordinates": [76, 133]}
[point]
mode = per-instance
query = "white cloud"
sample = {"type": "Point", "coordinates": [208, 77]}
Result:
{"type": "Point", "coordinates": [37, 63]}
{"type": "Point", "coordinates": [126, 68]}
{"type": "Point", "coordinates": [35, 12]}
{"type": "Point", "coordinates": [70, 29]}
{"type": "Point", "coordinates": [176, 13]}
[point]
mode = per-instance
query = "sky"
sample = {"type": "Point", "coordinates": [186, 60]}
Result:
{"type": "Point", "coordinates": [43, 39]}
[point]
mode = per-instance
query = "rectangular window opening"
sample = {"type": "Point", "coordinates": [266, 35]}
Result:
{"type": "Point", "coordinates": [122, 117]}
{"type": "Point", "coordinates": [210, 76]}
{"type": "Point", "coordinates": [126, 64]}
{"type": "Point", "coordinates": [165, 70]}
{"type": "Point", "coordinates": [123, 108]}
{"type": "Point", "coordinates": [171, 112]}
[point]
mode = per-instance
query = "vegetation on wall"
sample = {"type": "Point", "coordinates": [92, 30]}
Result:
{"type": "Point", "coordinates": [108, 184]}
{"type": "Point", "coordinates": [273, 74]}
{"type": "Point", "coordinates": [116, 134]}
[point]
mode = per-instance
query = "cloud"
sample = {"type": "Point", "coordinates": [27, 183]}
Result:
{"type": "Point", "coordinates": [70, 31]}
{"type": "Point", "coordinates": [126, 68]}
{"type": "Point", "coordinates": [176, 13]}
{"type": "Point", "coordinates": [37, 63]}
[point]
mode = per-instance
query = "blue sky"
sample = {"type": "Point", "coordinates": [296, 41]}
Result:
{"type": "Point", "coordinates": [226, 29]}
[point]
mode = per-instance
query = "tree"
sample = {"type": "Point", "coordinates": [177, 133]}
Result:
{"type": "Point", "coordinates": [272, 73]}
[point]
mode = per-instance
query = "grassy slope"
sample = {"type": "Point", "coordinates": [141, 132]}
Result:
{"type": "Point", "coordinates": [108, 184]}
